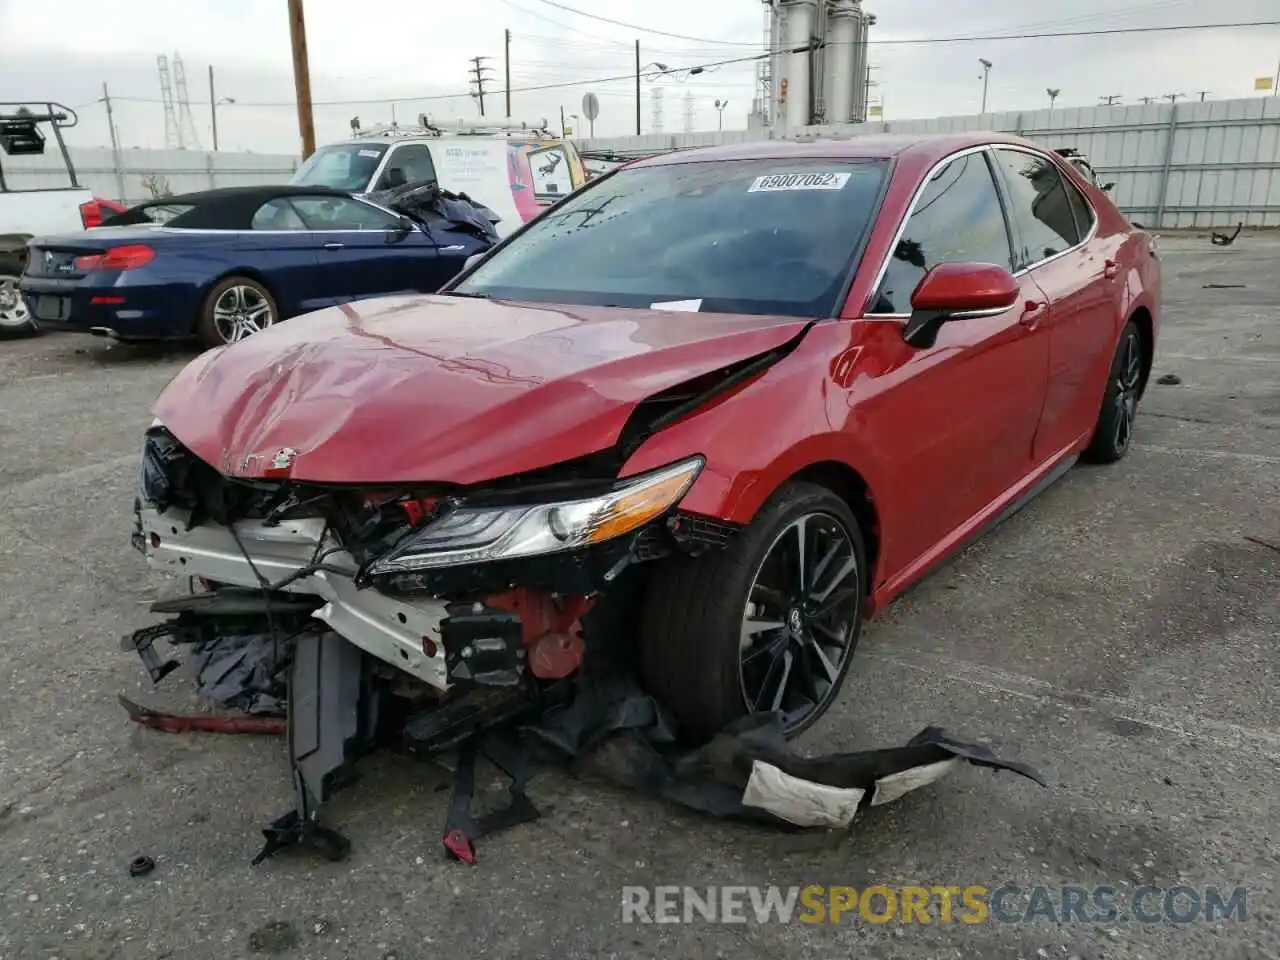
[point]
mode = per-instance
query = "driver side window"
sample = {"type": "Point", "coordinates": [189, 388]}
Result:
{"type": "Point", "coordinates": [342, 213]}
{"type": "Point", "coordinates": [958, 216]}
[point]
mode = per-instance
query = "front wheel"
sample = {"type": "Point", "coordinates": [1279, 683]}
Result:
{"type": "Point", "coordinates": [1113, 433]}
{"type": "Point", "coordinates": [15, 318]}
{"type": "Point", "coordinates": [768, 624]}
{"type": "Point", "coordinates": [237, 307]}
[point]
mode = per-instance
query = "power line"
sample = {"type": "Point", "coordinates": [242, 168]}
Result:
{"type": "Point", "coordinates": [704, 67]}
{"type": "Point", "coordinates": [659, 33]}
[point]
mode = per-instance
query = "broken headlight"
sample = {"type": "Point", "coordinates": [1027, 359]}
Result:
{"type": "Point", "coordinates": [481, 533]}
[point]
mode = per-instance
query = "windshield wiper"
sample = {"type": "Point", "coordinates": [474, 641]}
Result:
{"type": "Point", "coordinates": [460, 293]}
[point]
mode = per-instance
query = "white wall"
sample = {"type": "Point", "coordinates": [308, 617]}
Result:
{"type": "Point", "coordinates": [183, 170]}
{"type": "Point", "coordinates": [1183, 165]}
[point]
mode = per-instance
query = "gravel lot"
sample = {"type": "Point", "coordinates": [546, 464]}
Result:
{"type": "Point", "coordinates": [1120, 633]}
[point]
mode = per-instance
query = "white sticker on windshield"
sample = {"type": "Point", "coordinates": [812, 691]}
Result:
{"type": "Point", "coordinates": [370, 153]}
{"type": "Point", "coordinates": [799, 181]}
{"type": "Point", "coordinates": [688, 306]}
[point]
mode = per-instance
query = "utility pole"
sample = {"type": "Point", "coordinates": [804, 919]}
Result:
{"type": "Point", "coordinates": [1111, 100]}
{"type": "Point", "coordinates": [986, 81]}
{"type": "Point", "coordinates": [506, 63]}
{"type": "Point", "coordinates": [302, 78]}
{"type": "Point", "coordinates": [213, 109]}
{"type": "Point", "coordinates": [637, 88]}
{"type": "Point", "coordinates": [478, 77]}
{"type": "Point", "coordinates": [1053, 95]}
{"type": "Point", "coordinates": [116, 161]}
{"type": "Point", "coordinates": [562, 133]}
{"type": "Point", "coordinates": [1203, 94]}
{"type": "Point", "coordinates": [1173, 97]}
{"type": "Point", "coordinates": [1147, 100]}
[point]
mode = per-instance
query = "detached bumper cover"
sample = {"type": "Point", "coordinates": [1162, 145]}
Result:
{"type": "Point", "coordinates": [390, 629]}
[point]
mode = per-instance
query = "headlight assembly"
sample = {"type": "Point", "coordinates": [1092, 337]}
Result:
{"type": "Point", "coordinates": [478, 534]}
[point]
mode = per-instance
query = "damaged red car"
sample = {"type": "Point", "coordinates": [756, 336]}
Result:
{"type": "Point", "coordinates": [714, 409]}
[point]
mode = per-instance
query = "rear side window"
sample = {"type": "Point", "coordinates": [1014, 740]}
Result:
{"type": "Point", "coordinates": [958, 217]}
{"type": "Point", "coordinates": [1080, 208]}
{"type": "Point", "coordinates": [1041, 205]}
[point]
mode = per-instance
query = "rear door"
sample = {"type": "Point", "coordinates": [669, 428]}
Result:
{"type": "Point", "coordinates": [957, 420]}
{"type": "Point", "coordinates": [1059, 250]}
{"type": "Point", "coordinates": [363, 250]}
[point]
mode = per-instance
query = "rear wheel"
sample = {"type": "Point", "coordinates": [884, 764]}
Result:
{"type": "Point", "coordinates": [1113, 433]}
{"type": "Point", "coordinates": [15, 318]}
{"type": "Point", "coordinates": [770, 623]}
{"type": "Point", "coordinates": [237, 307]}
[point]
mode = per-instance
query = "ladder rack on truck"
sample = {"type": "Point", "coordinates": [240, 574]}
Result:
{"type": "Point", "coordinates": [20, 134]}
{"type": "Point", "coordinates": [426, 127]}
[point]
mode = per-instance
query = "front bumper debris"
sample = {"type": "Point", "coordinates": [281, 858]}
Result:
{"type": "Point", "coordinates": [399, 632]}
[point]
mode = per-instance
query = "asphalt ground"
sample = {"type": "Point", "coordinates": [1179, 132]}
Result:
{"type": "Point", "coordinates": [1120, 633]}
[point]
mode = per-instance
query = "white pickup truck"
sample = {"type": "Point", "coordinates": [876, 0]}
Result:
{"type": "Point", "coordinates": [25, 213]}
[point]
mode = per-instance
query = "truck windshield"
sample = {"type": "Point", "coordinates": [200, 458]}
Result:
{"type": "Point", "coordinates": [740, 236]}
{"type": "Point", "coordinates": [341, 166]}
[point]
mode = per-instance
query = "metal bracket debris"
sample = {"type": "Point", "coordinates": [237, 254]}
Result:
{"type": "Point", "coordinates": [142, 642]}
{"type": "Point", "coordinates": [462, 828]}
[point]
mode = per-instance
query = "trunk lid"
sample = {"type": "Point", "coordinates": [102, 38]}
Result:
{"type": "Point", "coordinates": [55, 256]}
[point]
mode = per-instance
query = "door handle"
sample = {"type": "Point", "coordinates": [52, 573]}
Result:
{"type": "Point", "coordinates": [1032, 311]}
{"type": "Point", "coordinates": [333, 245]}
{"type": "Point", "coordinates": [1109, 269]}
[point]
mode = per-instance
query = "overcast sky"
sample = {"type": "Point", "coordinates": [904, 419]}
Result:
{"type": "Point", "coordinates": [418, 50]}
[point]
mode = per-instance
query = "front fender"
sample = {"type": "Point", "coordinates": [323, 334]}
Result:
{"type": "Point", "coordinates": [758, 437]}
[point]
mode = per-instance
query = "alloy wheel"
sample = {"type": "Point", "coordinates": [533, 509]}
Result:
{"type": "Point", "coordinates": [800, 622]}
{"type": "Point", "coordinates": [241, 311]}
{"type": "Point", "coordinates": [1126, 396]}
{"type": "Point", "coordinates": [13, 309]}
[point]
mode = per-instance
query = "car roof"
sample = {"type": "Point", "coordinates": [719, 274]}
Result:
{"type": "Point", "coordinates": [926, 148]}
{"type": "Point", "coordinates": [227, 208]}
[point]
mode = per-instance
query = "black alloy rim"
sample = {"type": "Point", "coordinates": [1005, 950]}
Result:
{"type": "Point", "coordinates": [799, 625]}
{"type": "Point", "coordinates": [1127, 392]}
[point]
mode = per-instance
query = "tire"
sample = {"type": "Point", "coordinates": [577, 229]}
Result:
{"type": "Point", "coordinates": [693, 620]}
{"type": "Point", "coordinates": [235, 308]}
{"type": "Point", "coordinates": [1113, 433]}
{"type": "Point", "coordinates": [15, 318]}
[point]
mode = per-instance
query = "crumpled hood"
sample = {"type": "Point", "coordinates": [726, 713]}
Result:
{"type": "Point", "coordinates": [447, 389]}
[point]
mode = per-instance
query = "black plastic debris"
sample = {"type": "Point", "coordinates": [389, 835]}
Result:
{"type": "Point", "coordinates": [141, 866]}
{"type": "Point", "coordinates": [1169, 380]}
{"type": "Point", "coordinates": [342, 704]}
{"type": "Point", "coordinates": [425, 202]}
{"type": "Point", "coordinates": [1225, 239]}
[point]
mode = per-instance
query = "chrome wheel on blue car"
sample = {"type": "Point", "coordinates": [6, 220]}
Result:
{"type": "Point", "coordinates": [15, 317]}
{"type": "Point", "coordinates": [237, 307]}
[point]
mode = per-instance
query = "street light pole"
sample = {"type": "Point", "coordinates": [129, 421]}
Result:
{"type": "Point", "coordinates": [986, 80]}
{"type": "Point", "coordinates": [720, 105]}
{"type": "Point", "coordinates": [1053, 95]}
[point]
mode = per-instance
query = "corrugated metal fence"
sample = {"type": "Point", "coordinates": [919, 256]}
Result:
{"type": "Point", "coordinates": [140, 172]}
{"type": "Point", "coordinates": [1174, 165]}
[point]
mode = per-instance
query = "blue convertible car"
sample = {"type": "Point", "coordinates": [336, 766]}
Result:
{"type": "Point", "coordinates": [223, 264]}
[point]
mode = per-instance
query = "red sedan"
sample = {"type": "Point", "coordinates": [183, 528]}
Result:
{"type": "Point", "coordinates": [718, 406]}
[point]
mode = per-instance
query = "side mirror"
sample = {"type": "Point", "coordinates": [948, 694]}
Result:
{"type": "Point", "coordinates": [954, 291]}
{"type": "Point", "coordinates": [404, 226]}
